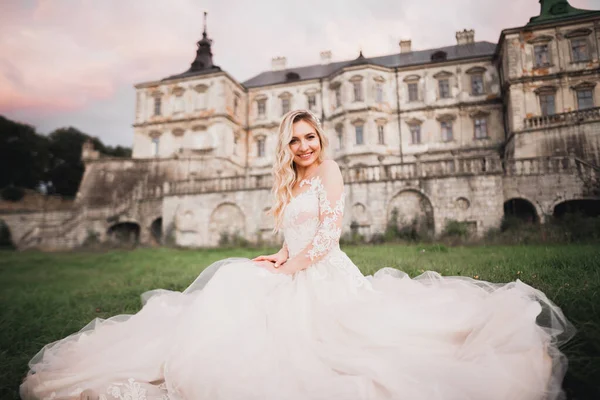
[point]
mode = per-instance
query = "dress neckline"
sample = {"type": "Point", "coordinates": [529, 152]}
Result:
{"type": "Point", "coordinates": [303, 182]}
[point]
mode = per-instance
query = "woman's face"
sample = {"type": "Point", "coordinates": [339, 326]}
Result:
{"type": "Point", "coordinates": [305, 144]}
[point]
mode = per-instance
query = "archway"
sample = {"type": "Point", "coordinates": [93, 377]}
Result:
{"type": "Point", "coordinates": [520, 209]}
{"type": "Point", "coordinates": [227, 225]}
{"type": "Point", "coordinates": [5, 236]}
{"type": "Point", "coordinates": [411, 214]}
{"type": "Point", "coordinates": [585, 207]}
{"type": "Point", "coordinates": [156, 230]}
{"type": "Point", "coordinates": [124, 233]}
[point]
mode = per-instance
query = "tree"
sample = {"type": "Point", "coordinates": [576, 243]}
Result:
{"type": "Point", "coordinates": [31, 160]}
{"type": "Point", "coordinates": [65, 168]}
{"type": "Point", "coordinates": [23, 155]}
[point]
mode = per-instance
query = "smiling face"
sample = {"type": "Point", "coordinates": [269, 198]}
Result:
{"type": "Point", "coordinates": [305, 144]}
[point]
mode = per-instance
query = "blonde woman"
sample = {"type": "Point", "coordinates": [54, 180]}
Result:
{"type": "Point", "coordinates": [305, 324]}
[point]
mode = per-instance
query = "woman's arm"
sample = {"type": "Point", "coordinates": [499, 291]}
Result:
{"type": "Point", "coordinates": [330, 191]}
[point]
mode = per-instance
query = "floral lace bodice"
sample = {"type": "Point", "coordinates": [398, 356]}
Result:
{"type": "Point", "coordinates": [312, 226]}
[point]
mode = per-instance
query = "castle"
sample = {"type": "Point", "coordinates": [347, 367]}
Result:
{"type": "Point", "coordinates": [467, 132]}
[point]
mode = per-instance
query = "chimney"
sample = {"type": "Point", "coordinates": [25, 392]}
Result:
{"type": "Point", "coordinates": [465, 37]}
{"type": "Point", "coordinates": [405, 46]}
{"type": "Point", "coordinates": [325, 57]}
{"type": "Point", "coordinates": [278, 63]}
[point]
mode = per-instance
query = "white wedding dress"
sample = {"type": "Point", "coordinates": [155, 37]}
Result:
{"type": "Point", "coordinates": [240, 332]}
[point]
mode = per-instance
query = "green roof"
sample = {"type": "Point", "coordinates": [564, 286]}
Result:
{"type": "Point", "coordinates": [554, 10]}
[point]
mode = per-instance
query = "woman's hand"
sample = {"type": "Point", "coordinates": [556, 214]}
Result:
{"type": "Point", "coordinates": [290, 267]}
{"type": "Point", "coordinates": [277, 259]}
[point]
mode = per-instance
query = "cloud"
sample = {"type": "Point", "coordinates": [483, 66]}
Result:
{"type": "Point", "coordinates": [63, 61]}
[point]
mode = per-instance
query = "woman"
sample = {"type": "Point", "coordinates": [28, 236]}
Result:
{"type": "Point", "coordinates": [305, 324]}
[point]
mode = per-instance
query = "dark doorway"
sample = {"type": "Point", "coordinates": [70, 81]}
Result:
{"type": "Point", "coordinates": [156, 230]}
{"type": "Point", "coordinates": [5, 236]}
{"type": "Point", "coordinates": [587, 208]}
{"type": "Point", "coordinates": [520, 209]}
{"type": "Point", "coordinates": [125, 233]}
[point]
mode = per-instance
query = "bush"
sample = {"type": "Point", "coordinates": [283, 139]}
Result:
{"type": "Point", "coordinates": [232, 240]}
{"type": "Point", "coordinates": [12, 193]}
{"type": "Point", "coordinates": [456, 229]}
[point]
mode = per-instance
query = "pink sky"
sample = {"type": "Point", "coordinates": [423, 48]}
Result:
{"type": "Point", "coordinates": [74, 62]}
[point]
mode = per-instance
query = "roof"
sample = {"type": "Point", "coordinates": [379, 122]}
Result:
{"type": "Point", "coordinates": [191, 72]}
{"type": "Point", "coordinates": [456, 52]}
{"type": "Point", "coordinates": [556, 10]}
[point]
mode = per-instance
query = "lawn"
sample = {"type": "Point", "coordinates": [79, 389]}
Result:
{"type": "Point", "coordinates": [45, 297]}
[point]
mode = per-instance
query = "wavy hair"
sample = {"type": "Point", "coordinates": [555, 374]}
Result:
{"type": "Point", "coordinates": [285, 174]}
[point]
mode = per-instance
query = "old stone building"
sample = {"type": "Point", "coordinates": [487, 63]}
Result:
{"type": "Point", "coordinates": [465, 132]}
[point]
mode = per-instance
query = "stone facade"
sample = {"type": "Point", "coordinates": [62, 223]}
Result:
{"type": "Point", "coordinates": [426, 137]}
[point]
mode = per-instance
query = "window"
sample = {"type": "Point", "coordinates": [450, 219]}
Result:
{"type": "Point", "coordinates": [579, 49]}
{"type": "Point", "coordinates": [585, 99]}
{"type": "Point", "coordinates": [155, 146]}
{"type": "Point", "coordinates": [413, 91]}
{"type": "Point", "coordinates": [415, 133]}
{"type": "Point", "coordinates": [262, 107]}
{"type": "Point", "coordinates": [338, 96]}
{"type": "Point", "coordinates": [285, 105]}
{"type": "Point", "coordinates": [444, 85]}
{"type": "Point", "coordinates": [339, 131]}
{"type": "Point", "coordinates": [312, 102]}
{"type": "Point", "coordinates": [447, 134]}
{"type": "Point", "coordinates": [360, 134]}
{"type": "Point", "coordinates": [476, 84]}
{"type": "Point", "coordinates": [178, 106]}
{"type": "Point", "coordinates": [379, 92]}
{"type": "Point", "coordinates": [481, 131]}
{"type": "Point", "coordinates": [260, 147]}
{"type": "Point", "coordinates": [157, 105]}
{"type": "Point", "coordinates": [358, 95]}
{"type": "Point", "coordinates": [201, 96]}
{"type": "Point", "coordinates": [547, 103]}
{"type": "Point", "coordinates": [381, 134]}
{"type": "Point", "coordinates": [236, 139]}
{"type": "Point", "coordinates": [542, 55]}
{"type": "Point", "coordinates": [236, 104]}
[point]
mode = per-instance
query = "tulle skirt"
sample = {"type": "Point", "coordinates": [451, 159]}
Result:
{"type": "Point", "coordinates": [240, 332]}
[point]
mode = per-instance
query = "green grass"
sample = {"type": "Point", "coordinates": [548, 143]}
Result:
{"type": "Point", "coordinates": [44, 297]}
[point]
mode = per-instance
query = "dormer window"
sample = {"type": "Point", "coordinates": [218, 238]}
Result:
{"type": "Point", "coordinates": [439, 56]}
{"type": "Point", "coordinates": [292, 76]}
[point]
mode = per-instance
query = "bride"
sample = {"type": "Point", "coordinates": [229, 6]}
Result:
{"type": "Point", "coordinates": [305, 324]}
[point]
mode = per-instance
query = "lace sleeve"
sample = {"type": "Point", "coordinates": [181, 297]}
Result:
{"type": "Point", "coordinates": [329, 187]}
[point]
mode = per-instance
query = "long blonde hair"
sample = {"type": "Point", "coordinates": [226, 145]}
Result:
{"type": "Point", "coordinates": [285, 174]}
